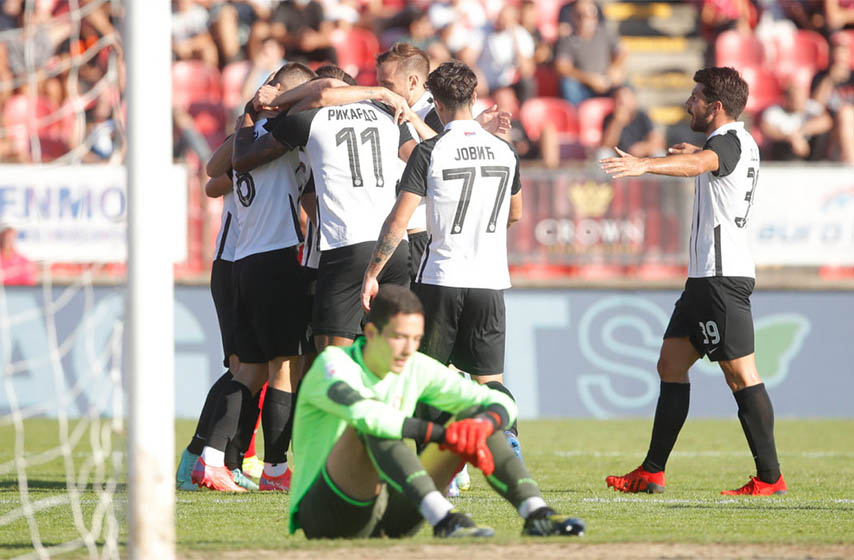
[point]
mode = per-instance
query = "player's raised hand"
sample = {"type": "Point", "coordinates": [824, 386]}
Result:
{"type": "Point", "coordinates": [626, 165]}
{"type": "Point", "coordinates": [370, 288]}
{"type": "Point", "coordinates": [265, 96]}
{"type": "Point", "coordinates": [397, 103]}
{"type": "Point", "coordinates": [494, 121]}
{"type": "Point", "coordinates": [683, 148]}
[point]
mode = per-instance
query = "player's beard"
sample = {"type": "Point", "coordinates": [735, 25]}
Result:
{"type": "Point", "coordinates": [700, 122]}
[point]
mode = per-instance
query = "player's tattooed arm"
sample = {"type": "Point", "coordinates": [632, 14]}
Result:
{"type": "Point", "coordinates": [394, 228]}
{"type": "Point", "coordinates": [250, 152]}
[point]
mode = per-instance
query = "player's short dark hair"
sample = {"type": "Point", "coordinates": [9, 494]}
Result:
{"type": "Point", "coordinates": [410, 59]}
{"type": "Point", "coordinates": [293, 69]}
{"type": "Point", "coordinates": [724, 85]}
{"type": "Point", "coordinates": [391, 300]}
{"type": "Point", "coordinates": [335, 72]}
{"type": "Point", "coordinates": [452, 84]}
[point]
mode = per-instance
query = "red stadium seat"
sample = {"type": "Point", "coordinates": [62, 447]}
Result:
{"type": "Point", "coordinates": [738, 50]}
{"type": "Point", "coordinates": [548, 82]}
{"type": "Point", "coordinates": [536, 112]}
{"type": "Point", "coordinates": [591, 116]}
{"type": "Point", "coordinates": [195, 81]}
{"type": "Point", "coordinates": [764, 89]}
{"type": "Point", "coordinates": [805, 49]}
{"type": "Point", "coordinates": [233, 78]}
{"type": "Point", "coordinates": [209, 119]}
{"type": "Point", "coordinates": [356, 49]}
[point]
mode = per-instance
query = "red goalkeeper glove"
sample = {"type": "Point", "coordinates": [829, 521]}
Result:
{"type": "Point", "coordinates": [467, 438]}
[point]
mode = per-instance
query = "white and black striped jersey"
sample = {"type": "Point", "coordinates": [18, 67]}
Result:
{"type": "Point", "coordinates": [722, 201]}
{"type": "Point", "coordinates": [353, 151]}
{"type": "Point", "coordinates": [226, 239]}
{"type": "Point", "coordinates": [467, 176]}
{"type": "Point", "coordinates": [267, 199]}
{"type": "Point", "coordinates": [426, 110]}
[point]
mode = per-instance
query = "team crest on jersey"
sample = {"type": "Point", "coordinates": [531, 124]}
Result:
{"type": "Point", "coordinates": [468, 133]}
{"type": "Point", "coordinates": [245, 189]}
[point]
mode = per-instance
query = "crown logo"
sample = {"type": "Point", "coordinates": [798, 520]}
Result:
{"type": "Point", "coordinates": [590, 199]}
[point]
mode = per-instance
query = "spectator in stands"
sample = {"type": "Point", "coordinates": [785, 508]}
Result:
{"type": "Point", "coordinates": [304, 30]}
{"type": "Point", "coordinates": [806, 14]}
{"type": "Point", "coordinates": [834, 89]}
{"type": "Point", "coordinates": [630, 128]}
{"type": "Point", "coordinates": [269, 58]}
{"type": "Point", "coordinates": [507, 55]}
{"type": "Point", "coordinates": [834, 86]}
{"type": "Point", "coordinates": [798, 129]}
{"type": "Point", "coordinates": [589, 60]}
{"type": "Point", "coordinates": [421, 32]}
{"type": "Point", "coordinates": [191, 38]}
{"type": "Point", "coordinates": [231, 24]}
{"type": "Point", "coordinates": [528, 17]}
{"type": "Point", "coordinates": [459, 23]}
{"type": "Point", "coordinates": [839, 14]}
{"type": "Point", "coordinates": [15, 268]}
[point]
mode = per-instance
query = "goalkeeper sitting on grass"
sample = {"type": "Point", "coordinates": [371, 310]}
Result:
{"type": "Point", "coordinates": [355, 477]}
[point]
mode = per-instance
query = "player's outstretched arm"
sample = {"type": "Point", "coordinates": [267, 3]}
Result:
{"type": "Point", "coordinates": [494, 121]}
{"type": "Point", "coordinates": [394, 228]}
{"type": "Point", "coordinates": [677, 165]}
{"type": "Point", "coordinates": [249, 152]}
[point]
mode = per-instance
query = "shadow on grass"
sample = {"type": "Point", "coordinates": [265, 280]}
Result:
{"type": "Point", "coordinates": [52, 486]}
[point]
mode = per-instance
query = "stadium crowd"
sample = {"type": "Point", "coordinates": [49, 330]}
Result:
{"type": "Point", "coordinates": [558, 67]}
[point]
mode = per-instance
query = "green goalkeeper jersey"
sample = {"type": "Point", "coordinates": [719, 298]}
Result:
{"type": "Point", "coordinates": [371, 405]}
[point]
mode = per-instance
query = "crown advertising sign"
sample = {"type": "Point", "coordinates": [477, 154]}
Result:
{"type": "Point", "coordinates": [580, 216]}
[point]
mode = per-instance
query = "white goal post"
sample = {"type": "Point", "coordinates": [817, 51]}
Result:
{"type": "Point", "coordinates": [150, 317]}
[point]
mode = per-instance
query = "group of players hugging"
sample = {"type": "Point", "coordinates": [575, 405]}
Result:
{"type": "Point", "coordinates": [361, 264]}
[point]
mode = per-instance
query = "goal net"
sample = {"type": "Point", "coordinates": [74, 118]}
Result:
{"type": "Point", "coordinates": [73, 326]}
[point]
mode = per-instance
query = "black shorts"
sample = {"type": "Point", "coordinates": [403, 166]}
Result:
{"type": "Point", "coordinates": [417, 243]}
{"type": "Point", "coordinates": [338, 297]}
{"type": "Point", "coordinates": [714, 313]}
{"type": "Point", "coordinates": [325, 512]}
{"type": "Point", "coordinates": [221, 290]}
{"type": "Point", "coordinates": [310, 278]}
{"type": "Point", "coordinates": [270, 306]}
{"type": "Point", "coordinates": [464, 326]}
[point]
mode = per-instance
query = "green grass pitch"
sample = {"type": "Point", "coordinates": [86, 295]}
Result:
{"type": "Point", "coordinates": [569, 458]}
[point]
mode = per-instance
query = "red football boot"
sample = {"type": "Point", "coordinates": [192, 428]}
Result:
{"type": "Point", "coordinates": [215, 478]}
{"type": "Point", "coordinates": [638, 480]}
{"type": "Point", "coordinates": [758, 488]}
{"type": "Point", "coordinates": [281, 483]}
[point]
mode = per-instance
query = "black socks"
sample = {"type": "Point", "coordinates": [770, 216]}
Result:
{"type": "Point", "coordinates": [203, 427]}
{"type": "Point", "coordinates": [226, 418]}
{"type": "Point", "coordinates": [670, 414]}
{"type": "Point", "coordinates": [757, 420]}
{"type": "Point", "coordinates": [277, 421]}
